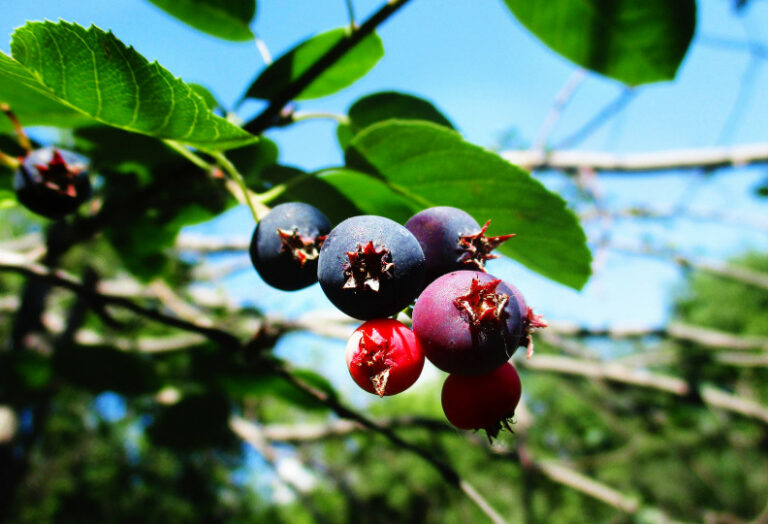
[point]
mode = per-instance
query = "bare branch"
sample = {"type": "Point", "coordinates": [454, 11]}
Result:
{"type": "Point", "coordinates": [720, 216]}
{"type": "Point", "coordinates": [60, 278]}
{"type": "Point", "coordinates": [561, 101]}
{"type": "Point", "coordinates": [607, 371]}
{"type": "Point", "coordinates": [343, 427]}
{"type": "Point", "coordinates": [716, 339]}
{"type": "Point", "coordinates": [580, 482]}
{"type": "Point", "coordinates": [601, 118]}
{"type": "Point", "coordinates": [449, 474]}
{"type": "Point", "coordinates": [669, 384]}
{"type": "Point", "coordinates": [676, 330]}
{"type": "Point", "coordinates": [209, 244]}
{"type": "Point", "coordinates": [646, 162]}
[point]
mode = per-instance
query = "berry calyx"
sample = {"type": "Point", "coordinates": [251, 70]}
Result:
{"type": "Point", "coordinates": [384, 357]}
{"type": "Point", "coordinates": [367, 266]}
{"type": "Point", "coordinates": [483, 304]}
{"type": "Point", "coordinates": [484, 402]}
{"type": "Point", "coordinates": [532, 322]}
{"type": "Point", "coordinates": [58, 175]}
{"type": "Point", "coordinates": [52, 182]}
{"type": "Point", "coordinates": [476, 248]}
{"type": "Point", "coordinates": [301, 247]}
{"type": "Point", "coordinates": [452, 240]}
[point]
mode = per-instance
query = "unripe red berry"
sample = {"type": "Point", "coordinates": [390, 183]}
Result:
{"type": "Point", "coordinates": [482, 401]}
{"type": "Point", "coordinates": [384, 357]}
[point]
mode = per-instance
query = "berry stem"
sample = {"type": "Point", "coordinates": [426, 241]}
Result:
{"type": "Point", "coordinates": [299, 116]}
{"type": "Point", "coordinates": [22, 136]}
{"type": "Point", "coordinates": [232, 171]}
{"type": "Point", "coordinates": [351, 13]}
{"type": "Point", "coordinates": [189, 155]}
{"type": "Point", "coordinates": [269, 116]}
{"type": "Point", "coordinates": [9, 161]}
{"type": "Point", "coordinates": [269, 195]}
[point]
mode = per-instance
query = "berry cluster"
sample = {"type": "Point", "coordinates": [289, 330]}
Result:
{"type": "Point", "coordinates": [465, 321]}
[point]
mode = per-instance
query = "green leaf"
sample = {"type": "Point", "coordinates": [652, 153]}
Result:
{"type": "Point", "coordinates": [386, 105]}
{"type": "Point", "coordinates": [370, 195]}
{"type": "Point", "coordinates": [344, 72]}
{"type": "Point", "coordinates": [315, 191]}
{"type": "Point", "coordinates": [227, 19]}
{"type": "Point", "coordinates": [96, 74]}
{"type": "Point", "coordinates": [7, 199]}
{"type": "Point", "coordinates": [31, 102]}
{"type": "Point", "coordinates": [252, 159]}
{"type": "Point", "coordinates": [210, 99]}
{"type": "Point", "coordinates": [434, 166]}
{"type": "Point", "coordinates": [634, 42]}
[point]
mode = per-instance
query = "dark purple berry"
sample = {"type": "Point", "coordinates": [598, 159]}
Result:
{"type": "Point", "coordinates": [52, 182]}
{"type": "Point", "coordinates": [452, 240]}
{"type": "Point", "coordinates": [371, 267]}
{"type": "Point", "coordinates": [286, 244]}
{"type": "Point", "coordinates": [470, 322]}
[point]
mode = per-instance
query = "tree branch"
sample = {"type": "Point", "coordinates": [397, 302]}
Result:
{"type": "Point", "coordinates": [711, 396]}
{"type": "Point", "coordinates": [449, 474]}
{"type": "Point", "coordinates": [675, 330]}
{"type": "Point", "coordinates": [646, 162]}
{"type": "Point", "coordinates": [62, 279]}
{"type": "Point", "coordinates": [268, 117]}
{"type": "Point", "coordinates": [573, 479]}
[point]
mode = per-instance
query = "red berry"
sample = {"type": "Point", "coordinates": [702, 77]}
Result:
{"type": "Point", "coordinates": [482, 401]}
{"type": "Point", "coordinates": [469, 322]}
{"type": "Point", "coordinates": [384, 357]}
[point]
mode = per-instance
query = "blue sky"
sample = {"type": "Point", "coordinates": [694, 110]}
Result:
{"type": "Point", "coordinates": [489, 75]}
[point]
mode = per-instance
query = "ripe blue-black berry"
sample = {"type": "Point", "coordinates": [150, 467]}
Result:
{"type": "Point", "coordinates": [452, 240]}
{"type": "Point", "coordinates": [286, 244]}
{"type": "Point", "coordinates": [470, 322]}
{"type": "Point", "coordinates": [371, 267]}
{"type": "Point", "coordinates": [52, 182]}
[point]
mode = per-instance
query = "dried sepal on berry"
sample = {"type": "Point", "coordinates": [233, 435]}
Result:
{"type": "Point", "coordinates": [367, 267]}
{"type": "Point", "coordinates": [384, 357]}
{"type": "Point", "coordinates": [476, 248]}
{"type": "Point", "coordinates": [483, 304]}
{"type": "Point", "coordinates": [301, 247]}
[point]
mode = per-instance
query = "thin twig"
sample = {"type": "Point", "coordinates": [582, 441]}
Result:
{"type": "Point", "coordinates": [62, 279]}
{"type": "Point", "coordinates": [266, 118]}
{"type": "Point", "coordinates": [608, 112]}
{"type": "Point", "coordinates": [233, 172]}
{"type": "Point", "coordinates": [561, 100]}
{"type": "Point", "coordinates": [645, 162]}
{"type": "Point", "coordinates": [449, 474]}
{"type": "Point", "coordinates": [715, 267]}
{"type": "Point", "coordinates": [712, 396]}
{"type": "Point", "coordinates": [261, 46]}
{"type": "Point", "coordinates": [351, 15]}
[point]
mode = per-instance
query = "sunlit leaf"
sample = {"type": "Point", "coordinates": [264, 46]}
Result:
{"type": "Point", "coordinates": [227, 19]}
{"type": "Point", "coordinates": [433, 165]}
{"type": "Point", "coordinates": [93, 72]}
{"type": "Point", "coordinates": [634, 42]}
{"type": "Point", "coordinates": [344, 72]}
